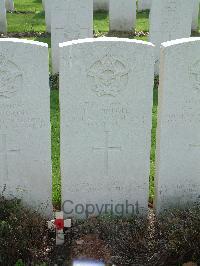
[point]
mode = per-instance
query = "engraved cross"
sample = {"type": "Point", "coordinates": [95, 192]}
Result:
{"type": "Point", "coordinates": [4, 154]}
{"type": "Point", "coordinates": [106, 150]}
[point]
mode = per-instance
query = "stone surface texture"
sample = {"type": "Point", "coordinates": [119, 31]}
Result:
{"type": "Point", "coordinates": [122, 15]}
{"type": "Point", "coordinates": [106, 88]}
{"type": "Point", "coordinates": [101, 5]}
{"type": "Point", "coordinates": [3, 20]}
{"type": "Point", "coordinates": [25, 142]}
{"type": "Point", "coordinates": [144, 5]}
{"type": "Point", "coordinates": [169, 20]}
{"type": "Point", "coordinates": [70, 20]}
{"type": "Point", "coordinates": [178, 138]}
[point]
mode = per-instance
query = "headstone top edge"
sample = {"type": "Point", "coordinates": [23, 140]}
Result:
{"type": "Point", "coordinates": [23, 41]}
{"type": "Point", "coordinates": [180, 41]}
{"type": "Point", "coordinates": [105, 39]}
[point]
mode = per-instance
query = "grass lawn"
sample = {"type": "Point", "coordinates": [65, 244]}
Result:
{"type": "Point", "coordinates": [30, 17]}
{"type": "Point", "coordinates": [28, 5]}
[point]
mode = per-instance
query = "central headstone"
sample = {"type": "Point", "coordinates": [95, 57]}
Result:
{"type": "Point", "coordinates": [70, 20]}
{"type": "Point", "coordinates": [106, 103]}
{"type": "Point", "coordinates": [169, 20]}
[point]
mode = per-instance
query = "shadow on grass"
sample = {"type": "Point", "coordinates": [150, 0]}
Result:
{"type": "Point", "coordinates": [153, 142]}
{"type": "Point", "coordinates": [143, 15]}
{"type": "Point", "coordinates": [44, 39]}
{"type": "Point", "coordinates": [100, 15]}
{"type": "Point", "coordinates": [39, 15]}
{"type": "Point", "coordinates": [195, 34]}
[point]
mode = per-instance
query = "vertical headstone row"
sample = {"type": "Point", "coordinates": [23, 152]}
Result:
{"type": "Point", "coordinates": [43, 3]}
{"type": "Point", "coordinates": [106, 123]}
{"type": "Point", "coordinates": [101, 5]}
{"type": "Point", "coordinates": [48, 4]}
{"type": "Point", "coordinates": [195, 20]}
{"type": "Point", "coordinates": [3, 21]}
{"type": "Point", "coordinates": [70, 20]}
{"type": "Point", "coordinates": [9, 5]}
{"type": "Point", "coordinates": [122, 15]}
{"type": "Point", "coordinates": [25, 143]}
{"type": "Point", "coordinates": [169, 20]}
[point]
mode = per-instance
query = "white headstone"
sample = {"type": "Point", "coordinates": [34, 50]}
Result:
{"type": "Point", "coordinates": [178, 132]}
{"type": "Point", "coordinates": [195, 20]}
{"type": "Point", "coordinates": [3, 21]}
{"type": "Point", "coordinates": [25, 143]}
{"type": "Point", "coordinates": [43, 3]}
{"type": "Point", "coordinates": [101, 5]}
{"type": "Point", "coordinates": [70, 20]}
{"type": "Point", "coordinates": [9, 5]}
{"type": "Point", "coordinates": [169, 20]}
{"type": "Point", "coordinates": [122, 15]}
{"type": "Point", "coordinates": [144, 4]}
{"type": "Point", "coordinates": [106, 102]}
{"type": "Point", "coordinates": [48, 10]}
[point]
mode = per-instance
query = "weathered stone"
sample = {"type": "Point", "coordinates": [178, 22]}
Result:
{"type": "Point", "coordinates": [122, 15]}
{"type": "Point", "coordinates": [195, 19]}
{"type": "Point", "coordinates": [178, 138]}
{"type": "Point", "coordinates": [3, 21]}
{"type": "Point", "coordinates": [169, 20]}
{"type": "Point", "coordinates": [101, 5]}
{"type": "Point", "coordinates": [25, 143]}
{"type": "Point", "coordinates": [9, 5]}
{"type": "Point", "coordinates": [70, 20]}
{"type": "Point", "coordinates": [48, 7]}
{"type": "Point", "coordinates": [106, 89]}
{"type": "Point", "coordinates": [144, 4]}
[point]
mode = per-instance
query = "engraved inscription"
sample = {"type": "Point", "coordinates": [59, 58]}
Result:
{"type": "Point", "coordinates": [194, 72]}
{"type": "Point", "coordinates": [14, 115]}
{"type": "Point", "coordinates": [182, 194]}
{"type": "Point", "coordinates": [4, 151]}
{"type": "Point", "coordinates": [108, 76]}
{"type": "Point", "coordinates": [106, 149]}
{"type": "Point", "coordinates": [10, 78]}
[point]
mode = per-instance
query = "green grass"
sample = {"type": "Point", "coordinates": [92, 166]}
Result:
{"type": "Point", "coordinates": [28, 5]}
{"type": "Point", "coordinates": [55, 139]}
{"type": "Point", "coordinates": [142, 22]}
{"type": "Point", "coordinates": [101, 22]}
{"type": "Point", "coordinates": [34, 20]}
{"type": "Point", "coordinates": [153, 142]}
{"type": "Point", "coordinates": [26, 22]}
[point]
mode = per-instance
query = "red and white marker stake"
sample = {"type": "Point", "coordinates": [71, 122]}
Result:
{"type": "Point", "coordinates": [59, 224]}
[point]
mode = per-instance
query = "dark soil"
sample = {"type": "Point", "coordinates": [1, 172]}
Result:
{"type": "Point", "coordinates": [31, 34]}
{"type": "Point", "coordinates": [170, 240]}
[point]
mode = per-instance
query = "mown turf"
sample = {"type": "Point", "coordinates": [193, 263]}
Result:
{"type": "Point", "coordinates": [28, 5]}
{"type": "Point", "coordinates": [55, 138]}
{"type": "Point", "coordinates": [30, 17]}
